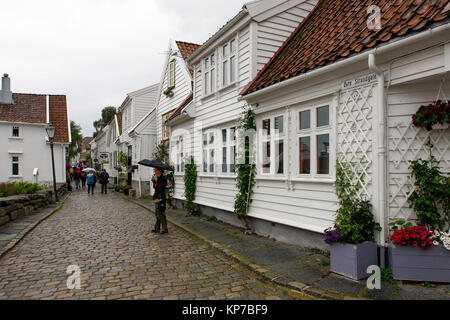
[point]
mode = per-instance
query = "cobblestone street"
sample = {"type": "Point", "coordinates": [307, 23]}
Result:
{"type": "Point", "coordinates": [110, 240]}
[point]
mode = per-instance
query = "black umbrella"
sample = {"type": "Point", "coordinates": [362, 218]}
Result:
{"type": "Point", "coordinates": [155, 164]}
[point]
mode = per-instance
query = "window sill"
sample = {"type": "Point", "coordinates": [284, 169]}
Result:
{"type": "Point", "coordinates": [271, 177]}
{"type": "Point", "coordinates": [327, 180]}
{"type": "Point", "coordinates": [15, 177]}
{"type": "Point", "coordinates": [15, 138]}
{"type": "Point", "coordinates": [228, 86]}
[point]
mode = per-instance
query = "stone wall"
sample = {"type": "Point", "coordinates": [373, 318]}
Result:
{"type": "Point", "coordinates": [18, 206]}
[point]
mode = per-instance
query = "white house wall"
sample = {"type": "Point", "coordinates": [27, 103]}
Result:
{"type": "Point", "coordinates": [182, 89]}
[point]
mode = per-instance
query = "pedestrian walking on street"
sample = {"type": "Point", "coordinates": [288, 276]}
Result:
{"type": "Point", "coordinates": [91, 179]}
{"type": "Point", "coordinates": [77, 177]}
{"type": "Point", "coordinates": [83, 180]}
{"type": "Point", "coordinates": [104, 179]}
{"type": "Point", "coordinates": [160, 202]}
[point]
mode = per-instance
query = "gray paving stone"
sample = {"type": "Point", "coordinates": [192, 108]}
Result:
{"type": "Point", "coordinates": [340, 284]}
{"type": "Point", "coordinates": [408, 292]}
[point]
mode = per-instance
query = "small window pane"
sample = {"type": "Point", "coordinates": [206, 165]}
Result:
{"type": "Point", "coordinates": [206, 82]}
{"type": "Point", "coordinates": [279, 149]}
{"type": "Point", "coordinates": [305, 155]}
{"type": "Point", "coordinates": [232, 158]}
{"type": "Point", "coordinates": [323, 116]}
{"type": "Point", "coordinates": [225, 73]}
{"type": "Point", "coordinates": [205, 139]}
{"type": "Point", "coordinates": [305, 120]}
{"type": "Point", "coordinates": [15, 132]}
{"type": "Point", "coordinates": [213, 60]}
{"type": "Point", "coordinates": [211, 138]}
{"type": "Point", "coordinates": [323, 162]}
{"type": "Point", "coordinates": [266, 157]}
{"type": "Point", "coordinates": [211, 161]}
{"type": "Point", "coordinates": [15, 169]}
{"type": "Point", "coordinates": [279, 124]}
{"type": "Point", "coordinates": [206, 63]}
{"type": "Point", "coordinates": [213, 80]}
{"type": "Point", "coordinates": [266, 127]}
{"type": "Point", "coordinates": [224, 159]}
{"type": "Point", "coordinates": [225, 51]}
{"type": "Point", "coordinates": [224, 135]}
{"type": "Point", "coordinates": [233, 134]}
{"type": "Point", "coordinates": [205, 161]}
{"type": "Point", "coordinates": [232, 45]}
{"type": "Point", "coordinates": [232, 69]}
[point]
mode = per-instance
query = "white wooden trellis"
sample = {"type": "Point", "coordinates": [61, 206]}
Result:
{"type": "Point", "coordinates": [407, 143]}
{"type": "Point", "coordinates": [355, 135]}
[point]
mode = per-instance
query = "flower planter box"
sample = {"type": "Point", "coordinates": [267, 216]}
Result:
{"type": "Point", "coordinates": [416, 264]}
{"type": "Point", "coordinates": [352, 260]}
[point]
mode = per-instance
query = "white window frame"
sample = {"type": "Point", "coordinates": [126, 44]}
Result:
{"type": "Point", "coordinates": [165, 130]}
{"type": "Point", "coordinates": [210, 74]}
{"type": "Point", "coordinates": [208, 147]}
{"type": "Point", "coordinates": [178, 152]}
{"type": "Point", "coordinates": [18, 131]}
{"type": "Point", "coordinates": [171, 71]}
{"type": "Point", "coordinates": [230, 149]}
{"type": "Point", "coordinates": [313, 132]}
{"type": "Point", "coordinates": [12, 165]}
{"type": "Point", "coordinates": [226, 56]}
{"type": "Point", "coordinates": [273, 137]}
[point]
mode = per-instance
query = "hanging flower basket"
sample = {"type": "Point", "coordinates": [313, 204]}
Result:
{"type": "Point", "coordinates": [433, 115]}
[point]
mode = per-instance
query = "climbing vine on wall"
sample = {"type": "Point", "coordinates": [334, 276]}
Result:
{"type": "Point", "coordinates": [245, 164]}
{"type": "Point", "coordinates": [190, 185]}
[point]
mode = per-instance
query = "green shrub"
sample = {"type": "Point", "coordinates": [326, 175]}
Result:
{"type": "Point", "coordinates": [10, 189]}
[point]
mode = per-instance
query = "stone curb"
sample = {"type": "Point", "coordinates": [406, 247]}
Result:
{"type": "Point", "coordinates": [296, 288]}
{"type": "Point", "coordinates": [28, 229]}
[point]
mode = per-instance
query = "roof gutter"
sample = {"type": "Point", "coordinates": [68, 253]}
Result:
{"type": "Point", "coordinates": [340, 64]}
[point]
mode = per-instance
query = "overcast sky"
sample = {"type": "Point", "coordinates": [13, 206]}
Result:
{"type": "Point", "coordinates": [97, 51]}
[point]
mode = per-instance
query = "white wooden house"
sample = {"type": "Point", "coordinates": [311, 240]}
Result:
{"type": "Point", "coordinates": [104, 149]}
{"type": "Point", "coordinates": [337, 88]}
{"type": "Point", "coordinates": [346, 91]}
{"type": "Point", "coordinates": [223, 66]}
{"type": "Point", "coordinates": [137, 139]}
{"type": "Point", "coordinates": [24, 146]}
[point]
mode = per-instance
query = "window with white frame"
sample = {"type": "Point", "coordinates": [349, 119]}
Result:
{"type": "Point", "coordinates": [15, 165]}
{"type": "Point", "coordinates": [171, 75]}
{"type": "Point", "coordinates": [208, 152]}
{"type": "Point", "coordinates": [165, 130]}
{"type": "Point", "coordinates": [209, 74]}
{"type": "Point", "coordinates": [179, 154]}
{"type": "Point", "coordinates": [15, 132]}
{"type": "Point", "coordinates": [313, 136]}
{"type": "Point", "coordinates": [228, 149]}
{"type": "Point", "coordinates": [272, 145]}
{"type": "Point", "coordinates": [228, 53]}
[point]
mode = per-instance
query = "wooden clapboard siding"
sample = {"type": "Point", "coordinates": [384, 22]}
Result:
{"type": "Point", "coordinates": [273, 31]}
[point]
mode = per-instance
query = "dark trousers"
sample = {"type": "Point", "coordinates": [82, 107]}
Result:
{"type": "Point", "coordinates": [160, 214]}
{"type": "Point", "coordinates": [104, 187]}
{"type": "Point", "coordinates": [91, 188]}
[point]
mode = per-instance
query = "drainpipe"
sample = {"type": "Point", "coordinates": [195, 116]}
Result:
{"type": "Point", "coordinates": [381, 130]}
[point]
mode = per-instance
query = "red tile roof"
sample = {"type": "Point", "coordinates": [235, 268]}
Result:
{"type": "Point", "coordinates": [32, 108]}
{"type": "Point", "coordinates": [85, 143]}
{"type": "Point", "coordinates": [336, 29]}
{"type": "Point", "coordinates": [183, 105]}
{"type": "Point", "coordinates": [186, 49]}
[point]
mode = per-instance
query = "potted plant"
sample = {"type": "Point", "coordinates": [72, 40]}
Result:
{"type": "Point", "coordinates": [168, 92]}
{"type": "Point", "coordinates": [422, 252]}
{"type": "Point", "coordinates": [352, 239]}
{"type": "Point", "coordinates": [433, 116]}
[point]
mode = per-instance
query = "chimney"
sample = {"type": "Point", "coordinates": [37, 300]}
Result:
{"type": "Point", "coordinates": [5, 92]}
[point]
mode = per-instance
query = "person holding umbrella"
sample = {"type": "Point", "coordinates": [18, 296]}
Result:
{"type": "Point", "coordinates": [160, 202]}
{"type": "Point", "coordinates": [160, 193]}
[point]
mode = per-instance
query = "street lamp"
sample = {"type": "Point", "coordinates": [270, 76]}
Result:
{"type": "Point", "coordinates": [51, 134]}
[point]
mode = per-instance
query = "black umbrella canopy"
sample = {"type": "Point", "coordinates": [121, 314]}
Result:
{"type": "Point", "coordinates": [155, 164]}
